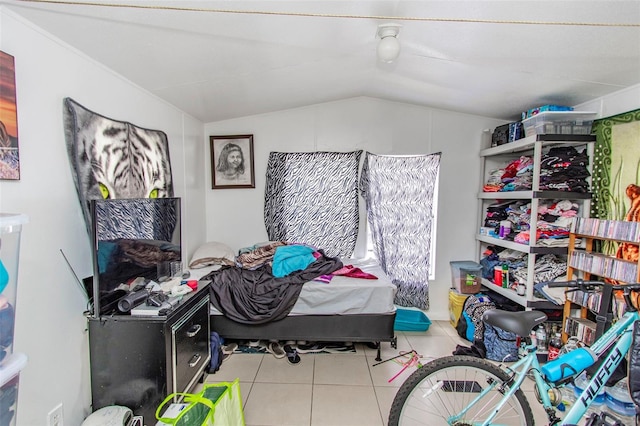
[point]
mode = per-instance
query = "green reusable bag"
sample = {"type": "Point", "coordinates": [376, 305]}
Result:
{"type": "Point", "coordinates": [216, 404]}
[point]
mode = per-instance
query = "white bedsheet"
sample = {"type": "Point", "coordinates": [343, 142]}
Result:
{"type": "Point", "coordinates": [348, 296]}
{"type": "Point", "coordinates": [342, 295]}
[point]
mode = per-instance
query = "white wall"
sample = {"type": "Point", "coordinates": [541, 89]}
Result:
{"type": "Point", "coordinates": [616, 103]}
{"type": "Point", "coordinates": [234, 216]}
{"type": "Point", "coordinates": [50, 327]}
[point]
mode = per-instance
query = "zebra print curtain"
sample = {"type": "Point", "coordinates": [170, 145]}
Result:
{"type": "Point", "coordinates": [399, 195]}
{"type": "Point", "coordinates": [312, 198]}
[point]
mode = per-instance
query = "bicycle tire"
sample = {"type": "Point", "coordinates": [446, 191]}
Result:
{"type": "Point", "coordinates": [458, 380]}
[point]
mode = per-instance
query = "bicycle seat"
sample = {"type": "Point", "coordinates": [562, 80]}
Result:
{"type": "Point", "coordinates": [521, 323]}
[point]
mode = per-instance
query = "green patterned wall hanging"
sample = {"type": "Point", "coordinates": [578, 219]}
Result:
{"type": "Point", "coordinates": [616, 164]}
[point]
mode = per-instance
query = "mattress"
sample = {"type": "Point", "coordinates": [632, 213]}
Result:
{"type": "Point", "coordinates": [343, 295]}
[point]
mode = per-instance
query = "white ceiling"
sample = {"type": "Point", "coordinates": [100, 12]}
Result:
{"type": "Point", "coordinates": [216, 63]}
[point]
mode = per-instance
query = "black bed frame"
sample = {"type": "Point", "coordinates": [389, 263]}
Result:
{"type": "Point", "coordinates": [374, 328]}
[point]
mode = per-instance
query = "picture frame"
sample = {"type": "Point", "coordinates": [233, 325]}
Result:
{"type": "Point", "coordinates": [232, 162]}
{"type": "Point", "coordinates": [9, 151]}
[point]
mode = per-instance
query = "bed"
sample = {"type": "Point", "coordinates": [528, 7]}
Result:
{"type": "Point", "coordinates": [344, 309]}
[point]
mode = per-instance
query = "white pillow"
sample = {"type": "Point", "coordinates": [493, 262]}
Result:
{"type": "Point", "coordinates": [212, 253]}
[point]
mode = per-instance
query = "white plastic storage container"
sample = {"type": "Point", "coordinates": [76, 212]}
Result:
{"type": "Point", "coordinates": [579, 385]}
{"type": "Point", "coordinates": [466, 276]}
{"type": "Point", "coordinates": [9, 378]}
{"type": "Point", "coordinates": [559, 123]}
{"type": "Point", "coordinates": [10, 229]}
{"type": "Point", "coordinates": [619, 402]}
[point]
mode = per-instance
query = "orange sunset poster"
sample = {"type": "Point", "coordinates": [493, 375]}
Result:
{"type": "Point", "coordinates": [9, 158]}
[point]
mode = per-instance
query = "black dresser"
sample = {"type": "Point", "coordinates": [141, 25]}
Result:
{"type": "Point", "coordinates": [136, 361]}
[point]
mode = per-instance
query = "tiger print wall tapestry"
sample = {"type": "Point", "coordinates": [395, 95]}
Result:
{"type": "Point", "coordinates": [616, 175]}
{"type": "Point", "coordinates": [312, 198]}
{"type": "Point", "coordinates": [399, 192]}
{"type": "Point", "coordinates": [114, 159]}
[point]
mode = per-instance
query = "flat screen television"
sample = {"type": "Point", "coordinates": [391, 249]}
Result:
{"type": "Point", "coordinates": [130, 237]}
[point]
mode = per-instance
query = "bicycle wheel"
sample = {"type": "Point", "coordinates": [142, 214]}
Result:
{"type": "Point", "coordinates": [441, 389]}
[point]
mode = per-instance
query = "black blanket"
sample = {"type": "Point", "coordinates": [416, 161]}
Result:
{"type": "Point", "coordinates": [256, 296]}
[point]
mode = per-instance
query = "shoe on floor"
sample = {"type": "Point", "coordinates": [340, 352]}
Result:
{"type": "Point", "coordinates": [310, 348]}
{"type": "Point", "coordinates": [292, 354]}
{"type": "Point", "coordinates": [229, 348]}
{"type": "Point", "coordinates": [276, 350]}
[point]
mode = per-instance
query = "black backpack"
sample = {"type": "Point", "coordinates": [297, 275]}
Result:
{"type": "Point", "coordinates": [475, 306]}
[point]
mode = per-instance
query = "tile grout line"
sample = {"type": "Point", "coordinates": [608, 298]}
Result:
{"type": "Point", "coordinates": [313, 384]}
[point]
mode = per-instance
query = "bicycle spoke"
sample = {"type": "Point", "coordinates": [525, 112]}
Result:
{"type": "Point", "coordinates": [457, 391]}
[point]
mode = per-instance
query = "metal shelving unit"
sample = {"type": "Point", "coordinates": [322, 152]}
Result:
{"type": "Point", "coordinates": [534, 146]}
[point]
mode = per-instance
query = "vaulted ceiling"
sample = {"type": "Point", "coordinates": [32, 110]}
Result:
{"type": "Point", "coordinates": [223, 59]}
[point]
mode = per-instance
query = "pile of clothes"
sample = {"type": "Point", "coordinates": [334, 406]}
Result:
{"type": "Point", "coordinates": [553, 225]}
{"type": "Point", "coordinates": [563, 168]}
{"type": "Point", "coordinates": [499, 256]}
{"type": "Point", "coordinates": [548, 267]}
{"type": "Point", "coordinates": [515, 211]}
{"type": "Point", "coordinates": [517, 176]}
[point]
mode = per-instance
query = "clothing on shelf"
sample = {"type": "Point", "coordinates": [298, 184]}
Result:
{"type": "Point", "coordinates": [561, 169]}
{"type": "Point", "coordinates": [554, 220]}
{"type": "Point", "coordinates": [498, 256]}
{"type": "Point", "coordinates": [516, 176]}
{"type": "Point", "coordinates": [547, 268]}
{"type": "Point", "coordinates": [564, 169]}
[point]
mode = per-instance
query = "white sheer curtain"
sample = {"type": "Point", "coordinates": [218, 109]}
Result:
{"type": "Point", "coordinates": [399, 195]}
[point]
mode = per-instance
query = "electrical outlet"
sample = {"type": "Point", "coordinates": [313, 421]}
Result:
{"type": "Point", "coordinates": [55, 416]}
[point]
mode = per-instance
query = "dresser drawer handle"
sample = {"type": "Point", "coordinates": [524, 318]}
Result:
{"type": "Point", "coordinates": [194, 360]}
{"type": "Point", "coordinates": [194, 330]}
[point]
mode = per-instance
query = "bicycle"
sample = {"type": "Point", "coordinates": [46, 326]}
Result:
{"type": "Point", "coordinates": [468, 391]}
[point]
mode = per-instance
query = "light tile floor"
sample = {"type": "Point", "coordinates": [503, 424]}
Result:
{"type": "Point", "coordinates": [335, 389]}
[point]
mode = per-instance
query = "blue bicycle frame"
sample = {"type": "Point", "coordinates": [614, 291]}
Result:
{"type": "Point", "coordinates": [614, 344]}
{"type": "Point", "coordinates": [620, 336]}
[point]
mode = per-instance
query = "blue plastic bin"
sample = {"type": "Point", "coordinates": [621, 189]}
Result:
{"type": "Point", "coordinates": [411, 320]}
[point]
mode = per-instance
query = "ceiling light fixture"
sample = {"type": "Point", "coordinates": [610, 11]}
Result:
{"type": "Point", "coordinates": [389, 46]}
